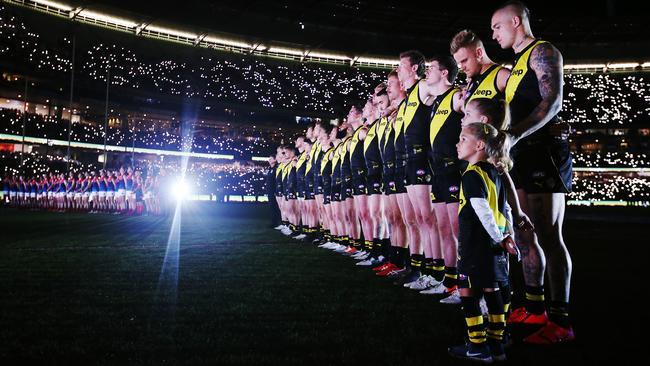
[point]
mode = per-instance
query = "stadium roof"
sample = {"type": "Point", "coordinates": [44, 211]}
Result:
{"type": "Point", "coordinates": [369, 33]}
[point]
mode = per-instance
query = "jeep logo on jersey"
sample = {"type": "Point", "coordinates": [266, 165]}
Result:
{"type": "Point", "coordinates": [517, 72]}
{"type": "Point", "coordinates": [419, 172]}
{"type": "Point", "coordinates": [484, 93]}
{"type": "Point", "coordinates": [442, 112]}
{"type": "Point", "coordinates": [453, 189]}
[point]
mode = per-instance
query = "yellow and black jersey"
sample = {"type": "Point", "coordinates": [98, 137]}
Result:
{"type": "Point", "coordinates": [279, 177]}
{"type": "Point", "coordinates": [316, 157]}
{"type": "Point", "coordinates": [381, 129]}
{"type": "Point", "coordinates": [485, 85]}
{"type": "Point", "coordinates": [287, 185]}
{"type": "Point", "coordinates": [415, 118]}
{"type": "Point", "coordinates": [398, 136]}
{"type": "Point", "coordinates": [476, 249]}
{"type": "Point", "coordinates": [326, 162]}
{"type": "Point", "coordinates": [346, 170]}
{"type": "Point", "coordinates": [336, 162]}
{"type": "Point", "coordinates": [386, 144]}
{"type": "Point", "coordinates": [371, 148]}
{"type": "Point", "coordinates": [301, 165]}
{"type": "Point", "coordinates": [444, 130]}
{"type": "Point", "coordinates": [522, 91]}
{"type": "Point", "coordinates": [355, 151]}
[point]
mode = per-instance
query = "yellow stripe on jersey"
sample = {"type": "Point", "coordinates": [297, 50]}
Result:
{"type": "Point", "coordinates": [492, 196]}
{"type": "Point", "coordinates": [301, 160]}
{"type": "Point", "coordinates": [487, 88]}
{"type": "Point", "coordinates": [372, 133]}
{"type": "Point", "coordinates": [278, 171]}
{"type": "Point", "coordinates": [444, 110]}
{"type": "Point", "coordinates": [389, 129]}
{"type": "Point", "coordinates": [381, 129]}
{"type": "Point", "coordinates": [286, 169]}
{"type": "Point", "coordinates": [412, 104]}
{"type": "Point", "coordinates": [519, 72]}
{"type": "Point", "coordinates": [354, 142]}
{"type": "Point", "coordinates": [326, 159]}
{"type": "Point", "coordinates": [399, 120]}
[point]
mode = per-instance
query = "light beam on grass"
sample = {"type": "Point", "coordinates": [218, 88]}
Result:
{"type": "Point", "coordinates": [167, 289]}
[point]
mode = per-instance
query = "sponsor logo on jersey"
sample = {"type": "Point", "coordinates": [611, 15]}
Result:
{"type": "Point", "coordinates": [485, 93]}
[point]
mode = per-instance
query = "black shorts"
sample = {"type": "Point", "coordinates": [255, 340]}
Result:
{"type": "Point", "coordinates": [373, 184]}
{"type": "Point", "coordinates": [326, 199]}
{"type": "Point", "coordinates": [359, 183]}
{"type": "Point", "coordinates": [336, 190]}
{"type": "Point", "coordinates": [388, 178]}
{"type": "Point", "coordinates": [388, 184]}
{"type": "Point", "coordinates": [309, 193]}
{"type": "Point", "coordinates": [490, 273]}
{"type": "Point", "coordinates": [399, 180]}
{"type": "Point", "coordinates": [445, 184]}
{"type": "Point", "coordinates": [474, 282]}
{"type": "Point", "coordinates": [346, 188]}
{"type": "Point", "coordinates": [418, 172]}
{"type": "Point", "coordinates": [300, 190]}
{"type": "Point", "coordinates": [542, 168]}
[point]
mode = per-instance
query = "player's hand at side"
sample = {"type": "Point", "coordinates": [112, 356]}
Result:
{"type": "Point", "coordinates": [511, 247]}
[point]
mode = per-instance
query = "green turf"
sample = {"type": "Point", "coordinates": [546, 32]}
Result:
{"type": "Point", "coordinates": [79, 288]}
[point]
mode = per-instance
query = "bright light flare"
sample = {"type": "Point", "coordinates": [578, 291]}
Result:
{"type": "Point", "coordinates": [181, 190]}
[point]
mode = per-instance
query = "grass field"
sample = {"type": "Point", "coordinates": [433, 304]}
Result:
{"type": "Point", "coordinates": [96, 289]}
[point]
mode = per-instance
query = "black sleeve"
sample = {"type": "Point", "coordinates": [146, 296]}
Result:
{"type": "Point", "coordinates": [473, 185]}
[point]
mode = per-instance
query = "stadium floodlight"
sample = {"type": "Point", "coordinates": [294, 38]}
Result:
{"type": "Point", "coordinates": [107, 18]}
{"type": "Point", "coordinates": [172, 32]}
{"type": "Point", "coordinates": [290, 51]}
{"type": "Point", "coordinates": [227, 42]}
{"type": "Point", "coordinates": [327, 55]}
{"type": "Point", "coordinates": [180, 190]}
{"type": "Point", "coordinates": [54, 4]}
{"type": "Point", "coordinates": [584, 66]}
{"type": "Point", "coordinates": [622, 65]}
{"type": "Point", "coordinates": [373, 60]}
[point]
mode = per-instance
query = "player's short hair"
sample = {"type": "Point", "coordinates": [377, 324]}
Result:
{"type": "Point", "coordinates": [464, 38]}
{"type": "Point", "coordinates": [447, 63]}
{"type": "Point", "coordinates": [415, 58]}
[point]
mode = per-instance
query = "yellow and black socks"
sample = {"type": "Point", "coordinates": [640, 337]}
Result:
{"type": "Point", "coordinates": [368, 245]}
{"type": "Point", "coordinates": [474, 320]}
{"type": "Point", "coordinates": [534, 302]}
{"type": "Point", "coordinates": [559, 313]}
{"type": "Point", "coordinates": [417, 260]}
{"type": "Point", "coordinates": [438, 269]}
{"type": "Point", "coordinates": [506, 295]}
{"type": "Point", "coordinates": [496, 322]}
{"type": "Point", "coordinates": [427, 268]}
{"type": "Point", "coordinates": [451, 277]}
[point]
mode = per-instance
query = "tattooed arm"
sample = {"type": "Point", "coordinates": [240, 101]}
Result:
{"type": "Point", "coordinates": [546, 62]}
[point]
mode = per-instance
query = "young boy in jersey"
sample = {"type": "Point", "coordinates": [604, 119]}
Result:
{"type": "Point", "coordinates": [484, 240]}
